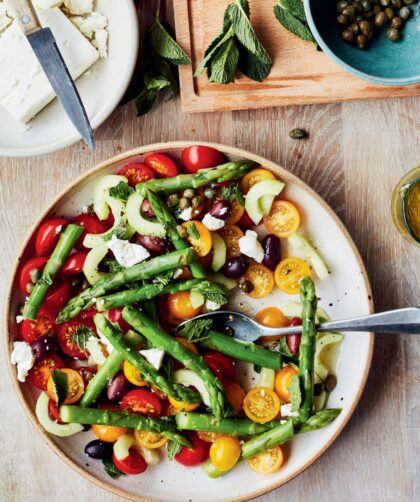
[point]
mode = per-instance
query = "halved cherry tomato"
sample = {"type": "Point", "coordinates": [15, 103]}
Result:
{"type": "Point", "coordinates": [58, 295]}
{"type": "Point", "coordinates": [245, 221]}
{"type": "Point", "coordinates": [41, 370]}
{"type": "Point", "coordinates": [179, 305]}
{"type": "Point", "coordinates": [225, 452]}
{"type": "Point", "coordinates": [273, 318]}
{"type": "Point", "coordinates": [282, 382]}
{"type": "Point", "coordinates": [186, 274]}
{"type": "Point", "coordinates": [201, 157]}
{"type": "Point", "coordinates": [161, 164]}
{"type": "Point", "coordinates": [202, 245]}
{"type": "Point", "coordinates": [133, 375]}
{"type": "Point", "coordinates": [136, 172]}
{"type": "Point", "coordinates": [209, 437]}
{"type": "Point", "coordinates": [183, 406]}
{"type": "Point", "coordinates": [74, 264]}
{"type": "Point", "coordinates": [31, 272]}
{"type": "Point", "coordinates": [283, 219]}
{"type": "Point", "coordinates": [150, 440]}
{"type": "Point", "coordinates": [261, 278]}
{"type": "Point", "coordinates": [222, 366]}
{"type": "Point", "coordinates": [53, 411]}
{"type": "Point", "coordinates": [231, 235]}
{"type": "Point", "coordinates": [92, 225]}
{"type": "Point", "coordinates": [142, 401]}
{"type": "Point", "coordinates": [75, 386]}
{"type": "Point", "coordinates": [88, 314]}
{"type": "Point", "coordinates": [293, 341]}
{"type": "Point", "coordinates": [261, 404]}
{"type": "Point", "coordinates": [254, 177]}
{"type": "Point", "coordinates": [133, 464]}
{"type": "Point", "coordinates": [235, 395]}
{"type": "Point", "coordinates": [268, 461]}
{"type": "Point", "coordinates": [236, 212]}
{"type": "Point", "coordinates": [87, 373]}
{"type": "Point", "coordinates": [289, 273]}
{"type": "Point", "coordinates": [65, 339]}
{"type": "Point", "coordinates": [48, 235]}
{"type": "Point", "coordinates": [165, 315]}
{"type": "Point", "coordinates": [168, 410]}
{"type": "Point", "coordinates": [187, 344]}
{"type": "Point", "coordinates": [115, 316]}
{"type": "Point", "coordinates": [108, 433]}
{"type": "Point", "coordinates": [195, 455]}
{"type": "Point", "coordinates": [44, 325]}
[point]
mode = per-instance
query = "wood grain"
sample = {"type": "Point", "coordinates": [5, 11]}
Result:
{"type": "Point", "coordinates": [300, 73]}
{"type": "Point", "coordinates": [355, 155]}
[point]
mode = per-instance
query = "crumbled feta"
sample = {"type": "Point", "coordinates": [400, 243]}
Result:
{"type": "Point", "coordinates": [105, 341]}
{"type": "Point", "coordinates": [47, 4]}
{"type": "Point", "coordinates": [250, 246]}
{"type": "Point", "coordinates": [101, 42]}
{"type": "Point", "coordinates": [90, 24]}
{"type": "Point", "coordinates": [126, 253]}
{"type": "Point", "coordinates": [185, 214]}
{"type": "Point", "coordinates": [178, 272]}
{"type": "Point", "coordinates": [154, 356]}
{"type": "Point", "coordinates": [286, 411]}
{"type": "Point", "coordinates": [23, 358]}
{"type": "Point", "coordinates": [5, 17]}
{"type": "Point", "coordinates": [213, 223]}
{"type": "Point", "coordinates": [79, 6]}
{"type": "Point", "coordinates": [94, 348]}
{"type": "Point", "coordinates": [19, 319]}
{"type": "Point", "coordinates": [212, 305]}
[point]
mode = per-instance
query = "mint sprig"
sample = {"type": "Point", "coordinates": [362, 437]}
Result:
{"type": "Point", "coordinates": [60, 386]}
{"type": "Point", "coordinates": [291, 15]}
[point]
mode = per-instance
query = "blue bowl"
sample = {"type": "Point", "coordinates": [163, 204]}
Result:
{"type": "Point", "coordinates": [384, 62]}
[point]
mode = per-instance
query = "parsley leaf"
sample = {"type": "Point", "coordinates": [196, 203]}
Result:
{"type": "Point", "coordinates": [197, 329]}
{"type": "Point", "coordinates": [81, 336]}
{"type": "Point", "coordinates": [165, 45]}
{"type": "Point", "coordinates": [291, 16]}
{"type": "Point", "coordinates": [60, 386]}
{"type": "Point", "coordinates": [193, 232]}
{"type": "Point", "coordinates": [295, 393]}
{"type": "Point", "coordinates": [122, 191]}
{"type": "Point", "coordinates": [233, 192]}
{"type": "Point", "coordinates": [110, 468]}
{"type": "Point", "coordinates": [173, 449]}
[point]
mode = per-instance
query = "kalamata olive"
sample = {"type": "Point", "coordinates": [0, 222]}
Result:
{"type": "Point", "coordinates": [118, 387]}
{"type": "Point", "coordinates": [221, 210]}
{"type": "Point", "coordinates": [236, 267]}
{"type": "Point", "coordinates": [271, 246]}
{"type": "Point", "coordinates": [155, 244]}
{"type": "Point", "coordinates": [293, 341]}
{"type": "Point", "coordinates": [147, 210]}
{"type": "Point", "coordinates": [44, 346]}
{"type": "Point", "coordinates": [98, 449]}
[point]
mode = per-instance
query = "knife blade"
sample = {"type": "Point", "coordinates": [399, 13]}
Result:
{"type": "Point", "coordinates": [46, 50]}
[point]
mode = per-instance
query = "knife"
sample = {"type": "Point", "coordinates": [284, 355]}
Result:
{"type": "Point", "coordinates": [46, 50]}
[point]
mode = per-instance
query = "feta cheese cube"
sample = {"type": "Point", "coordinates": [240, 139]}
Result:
{"type": "Point", "coordinates": [212, 305]}
{"type": "Point", "coordinates": [79, 6]}
{"type": "Point", "coordinates": [213, 223]}
{"type": "Point", "coordinates": [154, 356]}
{"type": "Point", "coordinates": [286, 411]}
{"type": "Point", "coordinates": [47, 4]}
{"type": "Point", "coordinates": [126, 253]}
{"type": "Point", "coordinates": [23, 359]}
{"type": "Point", "coordinates": [185, 214]}
{"type": "Point", "coordinates": [94, 348]}
{"type": "Point", "coordinates": [250, 246]}
{"type": "Point", "coordinates": [90, 24]}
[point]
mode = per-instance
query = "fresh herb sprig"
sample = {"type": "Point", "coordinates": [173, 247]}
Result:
{"type": "Point", "coordinates": [291, 15]}
{"type": "Point", "coordinates": [197, 329]}
{"type": "Point", "coordinates": [237, 46]}
{"type": "Point", "coordinates": [81, 336]}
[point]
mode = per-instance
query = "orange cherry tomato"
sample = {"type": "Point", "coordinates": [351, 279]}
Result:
{"type": "Point", "coordinates": [202, 245]}
{"type": "Point", "coordinates": [225, 452]}
{"type": "Point", "coordinates": [273, 318]}
{"type": "Point", "coordinates": [165, 316]}
{"type": "Point", "coordinates": [231, 235]}
{"type": "Point", "coordinates": [75, 386]}
{"type": "Point", "coordinates": [289, 273]}
{"type": "Point", "coordinates": [262, 279]}
{"type": "Point", "coordinates": [108, 433]}
{"type": "Point", "coordinates": [268, 461]}
{"type": "Point", "coordinates": [282, 382]}
{"type": "Point", "coordinates": [261, 404]}
{"type": "Point", "coordinates": [236, 212]}
{"type": "Point", "coordinates": [179, 305]}
{"type": "Point", "coordinates": [283, 219]}
{"type": "Point", "coordinates": [182, 406]}
{"type": "Point", "coordinates": [254, 177]}
{"type": "Point", "coordinates": [235, 395]}
{"type": "Point", "coordinates": [187, 344]}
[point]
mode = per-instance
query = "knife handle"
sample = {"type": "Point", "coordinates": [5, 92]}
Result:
{"type": "Point", "coordinates": [26, 16]}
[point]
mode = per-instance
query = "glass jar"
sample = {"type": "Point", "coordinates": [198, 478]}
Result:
{"type": "Point", "coordinates": [406, 206]}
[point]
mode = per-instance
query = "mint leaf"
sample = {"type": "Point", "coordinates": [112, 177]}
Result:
{"type": "Point", "coordinates": [222, 69]}
{"type": "Point", "coordinates": [120, 232]}
{"type": "Point", "coordinates": [293, 19]}
{"type": "Point", "coordinates": [197, 329]}
{"type": "Point", "coordinates": [165, 45]}
{"type": "Point", "coordinates": [110, 468]}
{"type": "Point", "coordinates": [296, 8]}
{"type": "Point", "coordinates": [60, 386]}
{"type": "Point", "coordinates": [122, 191]}
{"type": "Point", "coordinates": [212, 49]}
{"type": "Point", "coordinates": [164, 278]}
{"type": "Point", "coordinates": [173, 449]}
{"type": "Point", "coordinates": [111, 265]}
{"type": "Point", "coordinates": [295, 393]}
{"type": "Point", "coordinates": [252, 66]}
{"type": "Point", "coordinates": [213, 292]}
{"type": "Point", "coordinates": [81, 336]}
{"type": "Point", "coordinates": [233, 192]}
{"type": "Point", "coordinates": [193, 232]}
{"type": "Point", "coordinates": [284, 348]}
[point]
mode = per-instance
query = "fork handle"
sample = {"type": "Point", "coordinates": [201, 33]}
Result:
{"type": "Point", "coordinates": [26, 15]}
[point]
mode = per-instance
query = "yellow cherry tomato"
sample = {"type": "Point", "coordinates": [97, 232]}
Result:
{"type": "Point", "coordinates": [149, 440]}
{"type": "Point", "coordinates": [289, 273]}
{"type": "Point", "coordinates": [262, 279]}
{"type": "Point", "coordinates": [254, 177]}
{"type": "Point", "coordinates": [235, 395]}
{"type": "Point", "coordinates": [268, 461]}
{"type": "Point", "coordinates": [231, 235]}
{"type": "Point", "coordinates": [236, 212]}
{"type": "Point", "coordinates": [75, 386]}
{"type": "Point", "coordinates": [181, 406]}
{"type": "Point", "coordinates": [187, 344]}
{"type": "Point", "coordinates": [225, 452]}
{"type": "Point", "coordinates": [283, 219]}
{"type": "Point", "coordinates": [282, 382]}
{"type": "Point", "coordinates": [179, 305]}
{"type": "Point", "coordinates": [202, 245]}
{"type": "Point", "coordinates": [273, 318]}
{"type": "Point", "coordinates": [209, 437]}
{"type": "Point", "coordinates": [133, 375]}
{"type": "Point", "coordinates": [261, 404]}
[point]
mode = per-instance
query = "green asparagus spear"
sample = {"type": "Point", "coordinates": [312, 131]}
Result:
{"type": "Point", "coordinates": [317, 421]}
{"type": "Point", "coordinates": [225, 172]}
{"type": "Point", "coordinates": [108, 370]}
{"type": "Point", "coordinates": [81, 415]}
{"type": "Point", "coordinates": [141, 271]}
{"type": "Point", "coordinates": [153, 332]}
{"type": "Point", "coordinates": [62, 250]}
{"type": "Point", "coordinates": [169, 223]}
{"type": "Point", "coordinates": [307, 347]}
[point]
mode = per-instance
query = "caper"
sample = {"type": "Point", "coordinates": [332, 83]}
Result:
{"type": "Point", "coordinates": [397, 3]}
{"type": "Point", "coordinates": [409, 2]}
{"type": "Point", "coordinates": [209, 193]}
{"type": "Point", "coordinates": [397, 23]}
{"type": "Point", "coordinates": [172, 200]}
{"type": "Point", "coordinates": [366, 28]}
{"type": "Point", "coordinates": [393, 34]}
{"type": "Point", "coordinates": [381, 19]}
{"type": "Point", "coordinates": [245, 285]}
{"type": "Point", "coordinates": [348, 36]}
{"type": "Point", "coordinates": [384, 3]}
{"type": "Point", "coordinates": [405, 12]}
{"type": "Point", "coordinates": [342, 19]}
{"type": "Point", "coordinates": [182, 231]}
{"type": "Point", "coordinates": [358, 6]}
{"type": "Point", "coordinates": [377, 10]}
{"type": "Point", "coordinates": [197, 201]}
{"type": "Point", "coordinates": [357, 19]}
{"type": "Point", "coordinates": [184, 203]}
{"type": "Point", "coordinates": [188, 193]}
{"type": "Point", "coordinates": [389, 13]}
{"type": "Point", "coordinates": [361, 41]}
{"type": "Point", "coordinates": [298, 133]}
{"type": "Point", "coordinates": [349, 12]}
{"type": "Point", "coordinates": [368, 14]}
{"type": "Point", "coordinates": [341, 6]}
{"type": "Point", "coordinates": [367, 5]}
{"type": "Point", "coordinates": [330, 383]}
{"type": "Point", "coordinates": [354, 28]}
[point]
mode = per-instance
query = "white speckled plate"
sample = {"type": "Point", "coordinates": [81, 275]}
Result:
{"type": "Point", "coordinates": [345, 293]}
{"type": "Point", "coordinates": [101, 89]}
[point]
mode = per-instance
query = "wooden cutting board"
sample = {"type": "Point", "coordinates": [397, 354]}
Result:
{"type": "Point", "coordinates": [300, 74]}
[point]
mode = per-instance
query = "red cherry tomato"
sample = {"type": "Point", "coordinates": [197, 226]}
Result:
{"type": "Point", "coordinates": [133, 464]}
{"type": "Point", "coordinates": [53, 411]}
{"type": "Point", "coordinates": [196, 455]}
{"type": "Point", "coordinates": [92, 225]}
{"type": "Point", "coordinates": [41, 370]}
{"type": "Point", "coordinates": [48, 235]}
{"type": "Point", "coordinates": [74, 264]}
{"type": "Point", "coordinates": [142, 401]}
{"type": "Point", "coordinates": [245, 221]}
{"type": "Point", "coordinates": [88, 314]}
{"type": "Point", "coordinates": [67, 345]}
{"type": "Point", "coordinates": [293, 341]}
{"type": "Point", "coordinates": [161, 164]}
{"type": "Point", "coordinates": [44, 325]}
{"type": "Point", "coordinates": [201, 157]}
{"type": "Point", "coordinates": [115, 315]}
{"type": "Point", "coordinates": [30, 269]}
{"type": "Point", "coordinates": [136, 173]}
{"type": "Point", "coordinates": [87, 373]}
{"type": "Point", "coordinates": [222, 366]}
{"type": "Point", "coordinates": [58, 295]}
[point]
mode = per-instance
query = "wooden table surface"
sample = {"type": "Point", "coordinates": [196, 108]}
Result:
{"type": "Point", "coordinates": [354, 157]}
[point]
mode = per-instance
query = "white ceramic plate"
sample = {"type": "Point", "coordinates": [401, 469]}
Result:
{"type": "Point", "coordinates": [101, 89]}
{"type": "Point", "coordinates": [345, 293]}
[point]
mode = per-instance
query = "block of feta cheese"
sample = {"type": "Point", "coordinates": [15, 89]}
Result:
{"type": "Point", "coordinates": [6, 17]}
{"type": "Point", "coordinates": [47, 4]}
{"type": "Point", "coordinates": [101, 42]}
{"type": "Point", "coordinates": [78, 7]}
{"type": "Point", "coordinates": [24, 88]}
{"type": "Point", "coordinates": [90, 24]}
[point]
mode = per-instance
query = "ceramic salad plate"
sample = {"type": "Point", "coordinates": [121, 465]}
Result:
{"type": "Point", "coordinates": [344, 293]}
{"type": "Point", "coordinates": [101, 88]}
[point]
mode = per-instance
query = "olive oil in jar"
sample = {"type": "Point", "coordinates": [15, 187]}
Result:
{"type": "Point", "coordinates": [406, 206]}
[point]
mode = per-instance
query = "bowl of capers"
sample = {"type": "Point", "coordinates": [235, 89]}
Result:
{"type": "Point", "coordinates": [377, 40]}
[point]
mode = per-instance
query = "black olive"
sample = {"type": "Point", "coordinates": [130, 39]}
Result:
{"type": "Point", "coordinates": [98, 449]}
{"type": "Point", "coordinates": [271, 246]}
{"type": "Point", "coordinates": [44, 346]}
{"type": "Point", "coordinates": [236, 267]}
